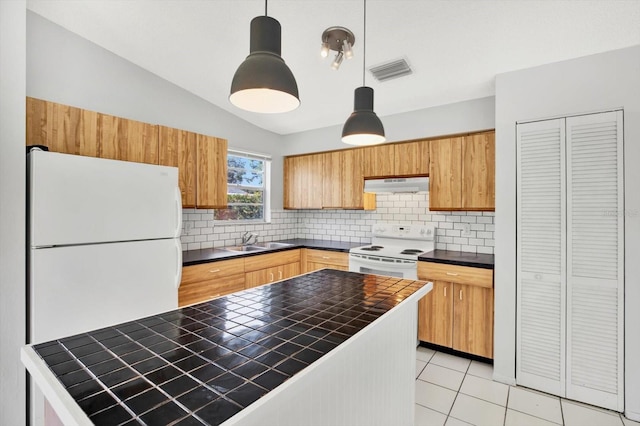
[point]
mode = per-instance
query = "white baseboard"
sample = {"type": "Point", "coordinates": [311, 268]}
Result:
{"type": "Point", "coordinates": [632, 415]}
{"type": "Point", "coordinates": [511, 381]}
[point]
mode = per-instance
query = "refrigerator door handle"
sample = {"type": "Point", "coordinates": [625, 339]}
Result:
{"type": "Point", "coordinates": [178, 274]}
{"type": "Point", "coordinates": [178, 213]}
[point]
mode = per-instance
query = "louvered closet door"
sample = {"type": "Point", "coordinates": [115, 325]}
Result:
{"type": "Point", "coordinates": [595, 259]}
{"type": "Point", "coordinates": [541, 251]}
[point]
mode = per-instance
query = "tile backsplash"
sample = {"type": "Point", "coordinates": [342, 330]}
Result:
{"type": "Point", "coordinates": [200, 231]}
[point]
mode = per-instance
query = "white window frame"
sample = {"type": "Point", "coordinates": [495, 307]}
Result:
{"type": "Point", "coordinates": [266, 187]}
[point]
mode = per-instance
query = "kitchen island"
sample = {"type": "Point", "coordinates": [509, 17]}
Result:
{"type": "Point", "coordinates": [328, 347]}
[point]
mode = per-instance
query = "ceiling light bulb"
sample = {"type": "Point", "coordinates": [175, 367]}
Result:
{"type": "Point", "coordinates": [346, 48]}
{"type": "Point", "coordinates": [324, 50]}
{"type": "Point", "coordinates": [337, 61]}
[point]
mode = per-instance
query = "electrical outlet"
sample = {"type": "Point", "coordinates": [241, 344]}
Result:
{"type": "Point", "coordinates": [466, 230]}
{"type": "Point", "coordinates": [188, 226]}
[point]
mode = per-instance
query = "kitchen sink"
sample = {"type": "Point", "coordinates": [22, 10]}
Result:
{"type": "Point", "coordinates": [245, 248]}
{"type": "Point", "coordinates": [273, 245]}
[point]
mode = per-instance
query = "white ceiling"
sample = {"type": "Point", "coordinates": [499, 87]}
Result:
{"type": "Point", "coordinates": [456, 47]}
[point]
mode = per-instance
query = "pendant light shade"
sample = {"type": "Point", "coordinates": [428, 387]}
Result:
{"type": "Point", "coordinates": [363, 127]}
{"type": "Point", "coordinates": [263, 82]}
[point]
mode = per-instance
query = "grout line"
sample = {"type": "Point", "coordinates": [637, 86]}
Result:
{"type": "Point", "coordinates": [506, 406]}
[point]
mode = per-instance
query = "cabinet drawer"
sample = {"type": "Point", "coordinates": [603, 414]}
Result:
{"type": "Point", "coordinates": [212, 270]}
{"type": "Point", "coordinates": [195, 292]}
{"type": "Point", "coordinates": [456, 274]}
{"type": "Point", "coordinates": [328, 257]}
{"type": "Point", "coordinates": [254, 263]}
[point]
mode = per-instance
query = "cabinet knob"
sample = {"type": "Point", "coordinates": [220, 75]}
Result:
{"type": "Point", "coordinates": [445, 292]}
{"type": "Point", "coordinates": [279, 275]}
{"type": "Point", "coordinates": [460, 294]}
{"type": "Point", "coordinates": [213, 271]}
{"type": "Point", "coordinates": [271, 273]}
{"type": "Point", "coordinates": [453, 274]}
{"type": "Point", "coordinates": [326, 257]}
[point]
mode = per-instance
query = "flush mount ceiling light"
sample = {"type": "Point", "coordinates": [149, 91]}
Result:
{"type": "Point", "coordinates": [363, 127]}
{"type": "Point", "coordinates": [339, 39]}
{"type": "Point", "coordinates": [263, 82]}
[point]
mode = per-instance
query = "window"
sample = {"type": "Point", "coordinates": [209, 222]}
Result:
{"type": "Point", "coordinates": [247, 186]}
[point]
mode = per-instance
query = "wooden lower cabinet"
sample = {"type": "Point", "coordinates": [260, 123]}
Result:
{"type": "Point", "coordinates": [209, 280]}
{"type": "Point", "coordinates": [458, 312]}
{"type": "Point", "coordinates": [271, 275]}
{"type": "Point", "coordinates": [319, 259]}
{"type": "Point", "coordinates": [435, 311]}
{"type": "Point", "coordinates": [271, 267]}
{"type": "Point", "coordinates": [473, 319]}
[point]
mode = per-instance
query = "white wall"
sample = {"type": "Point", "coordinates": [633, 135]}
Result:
{"type": "Point", "coordinates": [66, 68]}
{"type": "Point", "coordinates": [468, 116]}
{"type": "Point", "coordinates": [12, 211]}
{"type": "Point", "coordinates": [592, 83]}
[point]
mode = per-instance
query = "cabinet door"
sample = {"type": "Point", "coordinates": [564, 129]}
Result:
{"type": "Point", "coordinates": [473, 319]}
{"type": "Point", "coordinates": [478, 172]}
{"type": "Point", "coordinates": [412, 159]}
{"type": "Point", "coordinates": [445, 177]}
{"type": "Point", "coordinates": [177, 148]}
{"type": "Point", "coordinates": [62, 128]}
{"type": "Point", "coordinates": [332, 179]}
{"type": "Point", "coordinates": [353, 195]}
{"type": "Point", "coordinates": [260, 277]}
{"type": "Point", "coordinates": [379, 161]}
{"type": "Point", "coordinates": [435, 313]}
{"type": "Point", "coordinates": [128, 140]}
{"type": "Point", "coordinates": [211, 181]}
{"type": "Point", "coordinates": [303, 182]}
{"type": "Point", "coordinates": [289, 270]}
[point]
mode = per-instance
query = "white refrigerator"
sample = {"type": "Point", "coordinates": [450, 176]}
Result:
{"type": "Point", "coordinates": [103, 244]}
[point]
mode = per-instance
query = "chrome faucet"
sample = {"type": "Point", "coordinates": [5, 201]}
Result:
{"type": "Point", "coordinates": [247, 236]}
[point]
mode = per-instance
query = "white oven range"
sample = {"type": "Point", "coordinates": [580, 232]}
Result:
{"type": "Point", "coordinates": [394, 250]}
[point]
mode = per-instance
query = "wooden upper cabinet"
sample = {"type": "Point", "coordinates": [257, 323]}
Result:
{"type": "Point", "coordinates": [303, 183]}
{"type": "Point", "coordinates": [128, 140]}
{"type": "Point", "coordinates": [62, 128]}
{"type": "Point", "coordinates": [353, 195]}
{"type": "Point", "coordinates": [178, 148]}
{"type": "Point", "coordinates": [445, 174]}
{"type": "Point", "coordinates": [478, 172]}
{"type": "Point", "coordinates": [211, 182]}
{"type": "Point", "coordinates": [332, 179]}
{"type": "Point", "coordinates": [412, 158]}
{"type": "Point", "coordinates": [379, 160]}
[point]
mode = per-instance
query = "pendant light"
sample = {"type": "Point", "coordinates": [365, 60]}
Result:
{"type": "Point", "coordinates": [363, 127]}
{"type": "Point", "coordinates": [263, 82]}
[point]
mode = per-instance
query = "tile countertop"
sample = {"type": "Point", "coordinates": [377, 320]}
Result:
{"type": "Point", "coordinates": [460, 258]}
{"type": "Point", "coordinates": [195, 257]}
{"type": "Point", "coordinates": [207, 362]}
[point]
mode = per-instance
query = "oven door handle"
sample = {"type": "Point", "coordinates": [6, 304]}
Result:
{"type": "Point", "coordinates": [382, 265]}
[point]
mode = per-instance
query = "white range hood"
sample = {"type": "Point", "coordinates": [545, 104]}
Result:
{"type": "Point", "coordinates": [397, 185]}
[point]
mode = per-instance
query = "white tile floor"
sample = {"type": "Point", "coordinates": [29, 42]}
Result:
{"type": "Point", "coordinates": [454, 391]}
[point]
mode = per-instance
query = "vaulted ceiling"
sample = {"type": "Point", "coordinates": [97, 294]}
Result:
{"type": "Point", "coordinates": [455, 47]}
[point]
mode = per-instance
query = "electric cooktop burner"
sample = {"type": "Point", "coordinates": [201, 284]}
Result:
{"type": "Point", "coordinates": [411, 251]}
{"type": "Point", "coordinates": [372, 248]}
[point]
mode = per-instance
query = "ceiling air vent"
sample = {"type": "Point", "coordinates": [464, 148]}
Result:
{"type": "Point", "coordinates": [391, 70]}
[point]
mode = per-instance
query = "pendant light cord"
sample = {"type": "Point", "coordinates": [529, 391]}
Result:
{"type": "Point", "coordinates": [265, 8]}
{"type": "Point", "coordinates": [364, 41]}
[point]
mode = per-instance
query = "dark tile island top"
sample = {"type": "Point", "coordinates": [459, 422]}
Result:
{"type": "Point", "coordinates": [195, 257]}
{"type": "Point", "coordinates": [204, 363]}
{"type": "Point", "coordinates": [460, 258]}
